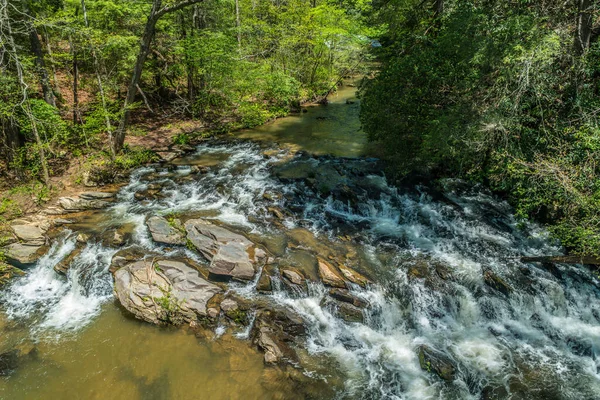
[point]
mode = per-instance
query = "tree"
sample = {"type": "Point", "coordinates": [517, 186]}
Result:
{"type": "Point", "coordinates": [583, 31]}
{"type": "Point", "coordinates": [157, 11]}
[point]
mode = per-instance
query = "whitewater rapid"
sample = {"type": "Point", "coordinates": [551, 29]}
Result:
{"type": "Point", "coordinates": [541, 341]}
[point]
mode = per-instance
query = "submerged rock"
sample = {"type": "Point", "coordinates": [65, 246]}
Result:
{"type": "Point", "coordinates": [264, 282]}
{"type": "Point", "coordinates": [496, 282]}
{"type": "Point", "coordinates": [63, 266]}
{"type": "Point", "coordinates": [230, 254]}
{"type": "Point", "coordinates": [163, 231]}
{"type": "Point", "coordinates": [10, 360]}
{"type": "Point", "coordinates": [347, 297]}
{"type": "Point", "coordinates": [163, 291]}
{"type": "Point", "coordinates": [436, 362]}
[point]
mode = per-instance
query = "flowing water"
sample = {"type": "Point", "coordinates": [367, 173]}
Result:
{"type": "Point", "coordinates": [426, 250]}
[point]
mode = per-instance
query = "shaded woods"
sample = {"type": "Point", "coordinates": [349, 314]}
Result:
{"type": "Point", "coordinates": [503, 93]}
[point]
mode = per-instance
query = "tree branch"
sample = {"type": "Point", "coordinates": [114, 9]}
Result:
{"type": "Point", "coordinates": [175, 7]}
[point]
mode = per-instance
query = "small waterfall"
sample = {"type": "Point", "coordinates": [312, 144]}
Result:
{"type": "Point", "coordinates": [48, 300]}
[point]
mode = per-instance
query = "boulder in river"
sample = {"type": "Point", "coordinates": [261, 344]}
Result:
{"type": "Point", "coordinates": [330, 275]}
{"type": "Point", "coordinates": [163, 291]}
{"type": "Point", "coordinates": [436, 362]}
{"type": "Point", "coordinates": [292, 275]}
{"type": "Point", "coordinates": [353, 276]}
{"type": "Point", "coordinates": [165, 231]}
{"type": "Point", "coordinates": [230, 254]}
{"type": "Point", "coordinates": [274, 331]}
{"type": "Point", "coordinates": [62, 267]}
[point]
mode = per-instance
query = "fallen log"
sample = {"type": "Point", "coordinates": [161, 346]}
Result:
{"type": "Point", "coordinates": [564, 259]}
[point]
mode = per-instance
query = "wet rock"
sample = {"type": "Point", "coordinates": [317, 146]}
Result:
{"type": "Point", "coordinates": [126, 256]}
{"type": "Point", "coordinates": [272, 350]}
{"type": "Point", "coordinates": [230, 255]}
{"type": "Point", "coordinates": [436, 362]}
{"type": "Point", "coordinates": [82, 238]}
{"type": "Point", "coordinates": [8, 272]}
{"type": "Point", "coordinates": [163, 291]}
{"type": "Point", "coordinates": [345, 296]}
{"type": "Point", "coordinates": [443, 271]}
{"type": "Point", "coordinates": [118, 238]}
{"type": "Point", "coordinates": [22, 254]}
{"type": "Point", "coordinates": [353, 276]}
{"type": "Point", "coordinates": [148, 195]}
{"type": "Point", "coordinates": [63, 266]}
{"type": "Point", "coordinates": [10, 360]}
{"type": "Point", "coordinates": [292, 275]}
{"type": "Point", "coordinates": [496, 282]}
{"type": "Point", "coordinates": [264, 282]}
{"type": "Point", "coordinates": [330, 275]}
{"type": "Point", "coordinates": [228, 305]}
{"type": "Point", "coordinates": [274, 331]}
{"type": "Point", "coordinates": [77, 204]}
{"type": "Point", "coordinates": [494, 393]}
{"type": "Point", "coordinates": [276, 212]}
{"type": "Point", "coordinates": [163, 231]}
{"type": "Point", "coordinates": [350, 313]}
{"type": "Point", "coordinates": [432, 272]}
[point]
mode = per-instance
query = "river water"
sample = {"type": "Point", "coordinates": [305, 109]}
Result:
{"type": "Point", "coordinates": [426, 250]}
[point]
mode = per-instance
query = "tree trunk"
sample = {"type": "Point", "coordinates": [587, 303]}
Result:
{"type": "Point", "coordinates": [98, 78]}
{"type": "Point", "coordinates": [119, 136]}
{"type": "Point", "coordinates": [53, 65]}
{"type": "Point", "coordinates": [564, 259]}
{"type": "Point", "coordinates": [438, 7]}
{"type": "Point", "coordinates": [583, 32]}
{"type": "Point", "coordinates": [155, 14]}
{"type": "Point", "coordinates": [76, 118]}
{"type": "Point", "coordinates": [24, 104]}
{"type": "Point", "coordinates": [36, 49]}
{"type": "Point", "coordinates": [237, 24]}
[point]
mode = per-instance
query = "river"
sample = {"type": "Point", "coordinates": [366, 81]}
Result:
{"type": "Point", "coordinates": [446, 285]}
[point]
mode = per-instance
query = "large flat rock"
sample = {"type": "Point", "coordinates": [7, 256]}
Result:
{"type": "Point", "coordinates": [163, 232]}
{"type": "Point", "coordinates": [163, 291]}
{"type": "Point", "coordinates": [20, 254]}
{"type": "Point", "coordinates": [230, 254]}
{"type": "Point", "coordinates": [29, 233]}
{"type": "Point", "coordinates": [76, 204]}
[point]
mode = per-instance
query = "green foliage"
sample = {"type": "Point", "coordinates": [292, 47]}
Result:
{"type": "Point", "coordinates": [134, 157]}
{"type": "Point", "coordinates": [182, 139]}
{"type": "Point", "coordinates": [491, 92]}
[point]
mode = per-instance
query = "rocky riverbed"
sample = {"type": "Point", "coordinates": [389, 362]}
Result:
{"type": "Point", "coordinates": [253, 270]}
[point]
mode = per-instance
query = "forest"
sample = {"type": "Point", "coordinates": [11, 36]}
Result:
{"type": "Point", "coordinates": [505, 93]}
{"type": "Point", "coordinates": [77, 74]}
